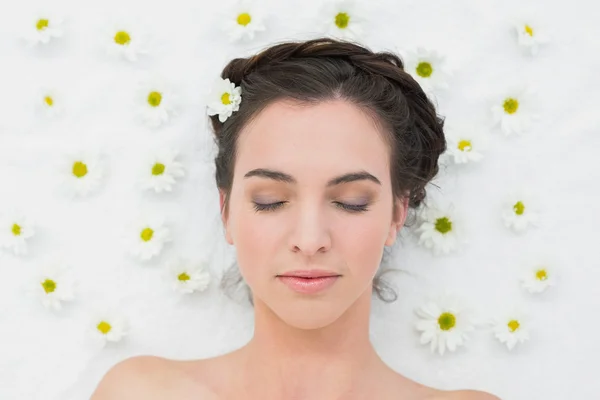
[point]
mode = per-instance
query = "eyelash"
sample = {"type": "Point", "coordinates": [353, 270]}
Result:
{"type": "Point", "coordinates": [346, 207]}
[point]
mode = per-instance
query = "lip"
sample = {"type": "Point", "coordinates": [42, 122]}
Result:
{"type": "Point", "coordinates": [310, 273]}
{"type": "Point", "coordinates": [308, 285]}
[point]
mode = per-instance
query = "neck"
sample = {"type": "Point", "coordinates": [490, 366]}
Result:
{"type": "Point", "coordinates": [325, 363]}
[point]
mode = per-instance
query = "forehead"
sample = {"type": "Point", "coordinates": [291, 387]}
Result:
{"type": "Point", "coordinates": [313, 141]}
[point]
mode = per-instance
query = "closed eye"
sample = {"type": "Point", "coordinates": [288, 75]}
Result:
{"type": "Point", "coordinates": [352, 208]}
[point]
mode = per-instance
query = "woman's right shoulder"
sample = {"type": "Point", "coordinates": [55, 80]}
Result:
{"type": "Point", "coordinates": [134, 377]}
{"type": "Point", "coordinates": [145, 377]}
{"type": "Point", "coordinates": [128, 377]}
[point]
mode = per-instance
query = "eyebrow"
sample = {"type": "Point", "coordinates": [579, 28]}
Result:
{"type": "Point", "coordinates": [286, 178]}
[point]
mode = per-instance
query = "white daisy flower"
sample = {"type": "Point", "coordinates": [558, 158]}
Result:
{"type": "Point", "coordinates": [464, 145]}
{"type": "Point", "coordinates": [107, 325]}
{"type": "Point", "coordinates": [514, 111]}
{"type": "Point", "coordinates": [244, 18]}
{"type": "Point", "coordinates": [16, 229]}
{"type": "Point", "coordinates": [511, 328]}
{"type": "Point", "coordinates": [160, 170]}
{"type": "Point", "coordinates": [344, 19]}
{"type": "Point", "coordinates": [81, 172]}
{"type": "Point", "coordinates": [428, 68]}
{"type": "Point", "coordinates": [224, 98]}
{"type": "Point", "coordinates": [41, 27]}
{"type": "Point", "coordinates": [444, 323]}
{"type": "Point", "coordinates": [155, 101]}
{"type": "Point", "coordinates": [440, 229]}
{"type": "Point", "coordinates": [147, 236]}
{"type": "Point", "coordinates": [54, 284]}
{"type": "Point", "coordinates": [529, 35]}
{"type": "Point", "coordinates": [186, 277]}
{"type": "Point", "coordinates": [520, 211]}
{"type": "Point", "coordinates": [49, 102]}
{"type": "Point", "coordinates": [127, 39]}
{"type": "Point", "coordinates": [538, 277]}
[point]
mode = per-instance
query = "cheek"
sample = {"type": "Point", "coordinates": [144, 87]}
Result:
{"type": "Point", "coordinates": [256, 239]}
{"type": "Point", "coordinates": [362, 241]}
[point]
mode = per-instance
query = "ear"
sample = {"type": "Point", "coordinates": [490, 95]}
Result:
{"type": "Point", "coordinates": [225, 215]}
{"type": "Point", "coordinates": [398, 218]}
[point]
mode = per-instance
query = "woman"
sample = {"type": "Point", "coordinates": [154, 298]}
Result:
{"type": "Point", "coordinates": [319, 162]}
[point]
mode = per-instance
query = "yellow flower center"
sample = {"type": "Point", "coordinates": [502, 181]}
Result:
{"type": "Point", "coordinates": [49, 286]}
{"type": "Point", "coordinates": [342, 19]}
{"type": "Point", "coordinates": [225, 98]}
{"type": "Point", "coordinates": [147, 234]}
{"type": "Point", "coordinates": [447, 321]}
{"type": "Point", "coordinates": [424, 69]}
{"type": "Point", "coordinates": [529, 30]}
{"type": "Point", "coordinates": [49, 101]}
{"type": "Point", "coordinates": [16, 229]}
{"type": "Point", "coordinates": [158, 169]}
{"type": "Point", "coordinates": [511, 105]}
{"type": "Point", "coordinates": [41, 24]}
{"type": "Point", "coordinates": [154, 99]}
{"type": "Point", "coordinates": [122, 38]}
{"type": "Point", "coordinates": [513, 325]}
{"type": "Point", "coordinates": [541, 275]}
{"type": "Point", "coordinates": [79, 169]}
{"type": "Point", "coordinates": [464, 145]}
{"type": "Point", "coordinates": [104, 327]}
{"type": "Point", "coordinates": [183, 277]}
{"type": "Point", "coordinates": [443, 225]}
{"type": "Point", "coordinates": [244, 19]}
{"type": "Point", "coordinates": [519, 208]}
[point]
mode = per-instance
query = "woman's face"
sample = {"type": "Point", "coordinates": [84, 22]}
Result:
{"type": "Point", "coordinates": [307, 147]}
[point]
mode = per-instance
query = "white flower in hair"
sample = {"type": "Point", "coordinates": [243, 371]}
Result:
{"type": "Point", "coordinates": [243, 20]}
{"type": "Point", "coordinates": [224, 98]}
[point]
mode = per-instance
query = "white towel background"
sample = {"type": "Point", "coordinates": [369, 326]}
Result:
{"type": "Point", "coordinates": [43, 354]}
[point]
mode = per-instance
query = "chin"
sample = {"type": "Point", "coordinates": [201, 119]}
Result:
{"type": "Point", "coordinates": [307, 322]}
{"type": "Point", "coordinates": [308, 314]}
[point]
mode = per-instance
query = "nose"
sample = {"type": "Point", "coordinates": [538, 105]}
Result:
{"type": "Point", "coordinates": [311, 231]}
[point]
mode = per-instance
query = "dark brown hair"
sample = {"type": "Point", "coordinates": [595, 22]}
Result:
{"type": "Point", "coordinates": [321, 69]}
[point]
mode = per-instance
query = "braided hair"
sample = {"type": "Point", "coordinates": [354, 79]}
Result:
{"type": "Point", "coordinates": [322, 69]}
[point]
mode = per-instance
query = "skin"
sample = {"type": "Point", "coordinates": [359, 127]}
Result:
{"type": "Point", "coordinates": [304, 346]}
{"type": "Point", "coordinates": [317, 345]}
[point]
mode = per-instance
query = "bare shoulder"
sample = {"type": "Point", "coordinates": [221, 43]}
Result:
{"type": "Point", "coordinates": [128, 378]}
{"type": "Point", "coordinates": [145, 377]}
{"type": "Point", "coordinates": [463, 395]}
